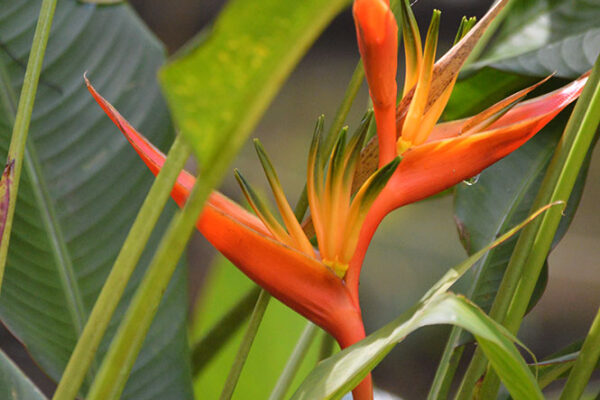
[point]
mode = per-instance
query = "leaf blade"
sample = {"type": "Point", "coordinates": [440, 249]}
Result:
{"type": "Point", "coordinates": [238, 71]}
{"type": "Point", "coordinates": [93, 183]}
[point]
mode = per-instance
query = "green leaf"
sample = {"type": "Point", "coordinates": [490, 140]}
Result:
{"type": "Point", "coordinates": [224, 86]}
{"type": "Point", "coordinates": [540, 37]}
{"type": "Point", "coordinates": [557, 365]}
{"type": "Point", "coordinates": [82, 186]}
{"type": "Point", "coordinates": [502, 196]}
{"type": "Point", "coordinates": [499, 200]}
{"type": "Point", "coordinates": [372, 350]}
{"type": "Point", "coordinates": [14, 384]}
{"type": "Point", "coordinates": [337, 375]}
{"type": "Point", "coordinates": [278, 333]}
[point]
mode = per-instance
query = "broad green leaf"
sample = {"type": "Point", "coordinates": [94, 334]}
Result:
{"type": "Point", "coordinates": [82, 185]}
{"type": "Point", "coordinates": [218, 91]}
{"type": "Point", "coordinates": [335, 376]}
{"type": "Point", "coordinates": [14, 384]}
{"type": "Point", "coordinates": [278, 333]}
{"type": "Point", "coordinates": [331, 380]}
{"type": "Point", "coordinates": [498, 200]}
{"type": "Point", "coordinates": [495, 203]}
{"type": "Point", "coordinates": [540, 37]}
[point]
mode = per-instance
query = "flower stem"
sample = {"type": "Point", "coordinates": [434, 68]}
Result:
{"type": "Point", "coordinates": [327, 347]}
{"type": "Point", "coordinates": [536, 239]}
{"type": "Point", "coordinates": [126, 261]}
{"type": "Point", "coordinates": [123, 351]}
{"type": "Point", "coordinates": [447, 368]}
{"type": "Point", "coordinates": [585, 364]}
{"type": "Point", "coordinates": [22, 121]}
{"type": "Point", "coordinates": [209, 345]}
{"type": "Point", "coordinates": [293, 364]}
{"type": "Point", "coordinates": [244, 349]}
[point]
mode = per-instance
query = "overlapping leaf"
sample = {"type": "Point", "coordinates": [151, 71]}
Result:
{"type": "Point", "coordinates": [14, 384]}
{"type": "Point", "coordinates": [82, 186]}
{"type": "Point", "coordinates": [340, 373]}
{"type": "Point", "coordinates": [337, 375]}
{"type": "Point", "coordinates": [541, 37]}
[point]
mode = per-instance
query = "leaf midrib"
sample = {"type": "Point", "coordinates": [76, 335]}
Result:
{"type": "Point", "coordinates": [62, 258]}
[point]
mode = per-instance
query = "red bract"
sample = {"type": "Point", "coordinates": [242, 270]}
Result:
{"type": "Point", "coordinates": [301, 281]}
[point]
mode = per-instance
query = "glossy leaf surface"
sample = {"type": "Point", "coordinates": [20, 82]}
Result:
{"type": "Point", "coordinates": [503, 193]}
{"type": "Point", "coordinates": [336, 375]}
{"type": "Point", "coordinates": [82, 186]}
{"type": "Point", "coordinates": [541, 37]}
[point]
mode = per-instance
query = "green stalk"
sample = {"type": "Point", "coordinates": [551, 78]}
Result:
{"type": "Point", "coordinates": [447, 368]}
{"type": "Point", "coordinates": [535, 241]}
{"type": "Point", "coordinates": [293, 364]}
{"type": "Point", "coordinates": [342, 113]}
{"type": "Point", "coordinates": [123, 351]}
{"type": "Point", "coordinates": [452, 355]}
{"type": "Point", "coordinates": [209, 345]}
{"type": "Point", "coordinates": [20, 130]}
{"type": "Point", "coordinates": [327, 347]}
{"type": "Point", "coordinates": [244, 349]}
{"type": "Point", "coordinates": [124, 265]}
{"type": "Point", "coordinates": [585, 364]}
{"type": "Point", "coordinates": [255, 320]}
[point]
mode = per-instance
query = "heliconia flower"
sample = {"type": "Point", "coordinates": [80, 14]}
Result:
{"type": "Point", "coordinates": [279, 258]}
{"type": "Point", "coordinates": [438, 156]}
{"type": "Point", "coordinates": [417, 158]}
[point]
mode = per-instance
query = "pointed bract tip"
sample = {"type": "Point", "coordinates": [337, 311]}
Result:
{"type": "Point", "coordinates": [372, 17]}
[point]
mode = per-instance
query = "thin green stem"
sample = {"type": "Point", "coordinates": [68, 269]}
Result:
{"type": "Point", "coordinates": [244, 349]}
{"type": "Point", "coordinates": [451, 356]}
{"type": "Point", "coordinates": [124, 265]}
{"type": "Point", "coordinates": [255, 320]}
{"type": "Point", "coordinates": [327, 347]}
{"type": "Point", "coordinates": [536, 239]}
{"type": "Point", "coordinates": [20, 130]}
{"type": "Point", "coordinates": [585, 364]}
{"type": "Point", "coordinates": [123, 351]}
{"type": "Point", "coordinates": [447, 368]}
{"type": "Point", "coordinates": [209, 345]}
{"type": "Point", "coordinates": [293, 364]}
